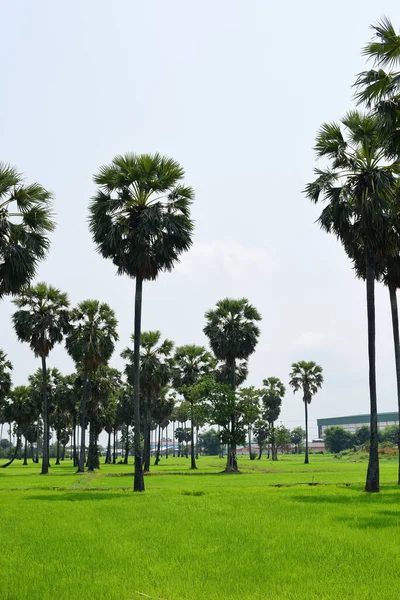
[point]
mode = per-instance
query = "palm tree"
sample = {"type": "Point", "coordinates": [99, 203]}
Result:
{"type": "Point", "coordinates": [155, 374]}
{"type": "Point", "coordinates": [22, 411]}
{"type": "Point", "coordinates": [25, 222]}
{"type": "Point", "coordinates": [190, 364]}
{"type": "Point", "coordinates": [306, 376]}
{"type": "Point", "coordinates": [378, 88]}
{"type": "Point", "coordinates": [233, 333]}
{"type": "Point", "coordinates": [90, 342]}
{"type": "Point", "coordinates": [358, 188]}
{"type": "Point", "coordinates": [272, 397]}
{"type": "Point", "coordinates": [140, 219]}
{"type": "Point", "coordinates": [42, 320]}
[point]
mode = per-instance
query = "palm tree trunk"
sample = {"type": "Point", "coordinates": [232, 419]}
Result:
{"type": "Point", "coordinates": [63, 452]}
{"type": "Point", "coordinates": [147, 443]}
{"type": "Point", "coordinates": [58, 450]}
{"type": "Point", "coordinates": [173, 439]}
{"type": "Point", "coordinates": [249, 435]}
{"type": "Point", "coordinates": [306, 461]}
{"type": "Point", "coordinates": [372, 482]}
{"type": "Point", "coordinates": [37, 440]}
{"type": "Point", "coordinates": [260, 449]}
{"type": "Point", "coordinates": [25, 452]}
{"type": "Point", "coordinates": [81, 465]}
{"type": "Point", "coordinates": [158, 447]}
{"type": "Point", "coordinates": [138, 484]}
{"type": "Point", "coordinates": [114, 459]}
{"type": "Point", "coordinates": [45, 459]}
{"type": "Point", "coordinates": [274, 449]}
{"type": "Point", "coordinates": [396, 341]}
{"type": "Point", "coordinates": [74, 455]}
{"type": "Point", "coordinates": [197, 442]}
{"type": "Point", "coordinates": [192, 449]}
{"type": "Point", "coordinates": [108, 455]}
{"type": "Point", "coordinates": [231, 463]}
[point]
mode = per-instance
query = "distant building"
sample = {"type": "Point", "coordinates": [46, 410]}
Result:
{"type": "Point", "coordinates": [354, 422]}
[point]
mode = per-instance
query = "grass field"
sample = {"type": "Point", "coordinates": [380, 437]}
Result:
{"type": "Point", "coordinates": [263, 534]}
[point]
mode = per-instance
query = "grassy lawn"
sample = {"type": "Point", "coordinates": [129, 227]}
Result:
{"type": "Point", "coordinates": [202, 535]}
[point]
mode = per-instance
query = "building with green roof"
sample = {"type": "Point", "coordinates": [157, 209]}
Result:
{"type": "Point", "coordinates": [354, 422]}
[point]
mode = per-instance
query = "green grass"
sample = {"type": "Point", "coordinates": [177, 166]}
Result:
{"type": "Point", "coordinates": [201, 535]}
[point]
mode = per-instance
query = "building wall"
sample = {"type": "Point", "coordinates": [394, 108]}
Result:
{"type": "Point", "coordinates": [354, 422]}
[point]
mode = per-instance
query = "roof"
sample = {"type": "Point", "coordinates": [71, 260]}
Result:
{"type": "Point", "coordinates": [358, 419]}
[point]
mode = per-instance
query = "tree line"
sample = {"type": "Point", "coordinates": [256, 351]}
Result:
{"type": "Point", "coordinates": [140, 219]}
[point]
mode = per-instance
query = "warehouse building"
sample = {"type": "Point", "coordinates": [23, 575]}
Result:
{"type": "Point", "coordinates": [354, 422]}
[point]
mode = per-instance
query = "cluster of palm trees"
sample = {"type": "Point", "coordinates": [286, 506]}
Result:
{"type": "Point", "coordinates": [360, 187]}
{"type": "Point", "coordinates": [140, 219]}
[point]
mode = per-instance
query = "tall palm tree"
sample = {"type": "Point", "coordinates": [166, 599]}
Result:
{"type": "Point", "coordinates": [233, 333]}
{"type": "Point", "coordinates": [140, 219]}
{"type": "Point", "coordinates": [306, 376]}
{"type": "Point", "coordinates": [272, 396]}
{"type": "Point", "coordinates": [42, 320]}
{"type": "Point", "coordinates": [90, 342]}
{"type": "Point", "coordinates": [358, 188]}
{"type": "Point", "coordinates": [21, 410]}
{"type": "Point", "coordinates": [155, 374]}
{"type": "Point", "coordinates": [191, 363]}
{"type": "Point", "coordinates": [25, 222]}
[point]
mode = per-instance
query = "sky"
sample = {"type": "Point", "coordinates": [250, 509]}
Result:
{"type": "Point", "coordinates": [235, 91]}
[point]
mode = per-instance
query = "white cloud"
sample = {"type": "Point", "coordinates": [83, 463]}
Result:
{"type": "Point", "coordinates": [228, 257]}
{"type": "Point", "coordinates": [314, 339]}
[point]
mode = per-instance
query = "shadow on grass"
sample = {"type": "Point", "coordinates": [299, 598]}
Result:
{"type": "Point", "coordinates": [81, 496]}
{"type": "Point", "coordinates": [356, 496]}
{"type": "Point", "coordinates": [383, 519]}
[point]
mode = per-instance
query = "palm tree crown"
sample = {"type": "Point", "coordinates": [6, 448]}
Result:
{"type": "Point", "coordinates": [358, 185]}
{"type": "Point", "coordinates": [25, 222]}
{"type": "Point", "coordinates": [140, 217]}
{"type": "Point", "coordinates": [93, 333]}
{"type": "Point", "coordinates": [232, 330]}
{"type": "Point", "coordinates": [42, 318]}
{"type": "Point", "coordinates": [306, 376]}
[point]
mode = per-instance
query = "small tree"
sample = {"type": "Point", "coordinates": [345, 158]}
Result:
{"type": "Point", "coordinates": [337, 439]}
{"type": "Point", "coordinates": [306, 376]}
{"type": "Point", "coordinates": [298, 436]}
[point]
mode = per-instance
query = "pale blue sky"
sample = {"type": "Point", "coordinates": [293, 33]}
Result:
{"type": "Point", "coordinates": [235, 91]}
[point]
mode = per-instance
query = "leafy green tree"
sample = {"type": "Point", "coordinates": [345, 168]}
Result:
{"type": "Point", "coordinates": [272, 396]}
{"type": "Point", "coordinates": [362, 435]}
{"type": "Point", "coordinates": [390, 434]}
{"type": "Point", "coordinates": [25, 222]}
{"type": "Point", "coordinates": [337, 439]}
{"type": "Point", "coordinates": [358, 188]}
{"type": "Point", "coordinates": [190, 364]}
{"type": "Point", "coordinates": [298, 436]}
{"type": "Point", "coordinates": [209, 442]}
{"type": "Point", "coordinates": [42, 321]}
{"type": "Point", "coordinates": [233, 334]}
{"type": "Point", "coordinates": [155, 374]}
{"type": "Point", "coordinates": [307, 377]}
{"type": "Point", "coordinates": [140, 219]}
{"type": "Point", "coordinates": [5, 377]}
{"type": "Point", "coordinates": [282, 438]}
{"type": "Point", "coordinates": [90, 342]}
